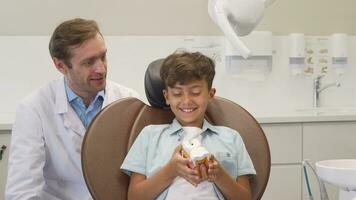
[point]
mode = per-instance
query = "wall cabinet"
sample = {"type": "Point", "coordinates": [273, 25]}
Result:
{"type": "Point", "coordinates": [4, 140]}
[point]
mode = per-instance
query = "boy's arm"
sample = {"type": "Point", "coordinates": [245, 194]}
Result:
{"type": "Point", "coordinates": [145, 188]}
{"type": "Point", "coordinates": [238, 189]}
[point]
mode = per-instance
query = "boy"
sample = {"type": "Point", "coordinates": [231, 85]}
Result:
{"type": "Point", "coordinates": [157, 168]}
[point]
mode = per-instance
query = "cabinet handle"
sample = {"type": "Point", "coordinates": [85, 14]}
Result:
{"type": "Point", "coordinates": [3, 147]}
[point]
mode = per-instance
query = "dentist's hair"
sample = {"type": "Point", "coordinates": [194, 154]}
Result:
{"type": "Point", "coordinates": [185, 67]}
{"type": "Point", "coordinates": [71, 34]}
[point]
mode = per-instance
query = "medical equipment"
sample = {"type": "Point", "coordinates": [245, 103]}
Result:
{"type": "Point", "coordinates": [322, 189]}
{"type": "Point", "coordinates": [307, 182]}
{"type": "Point", "coordinates": [237, 18]}
{"type": "Point", "coordinates": [3, 147]}
{"type": "Point", "coordinates": [340, 173]}
{"type": "Point", "coordinates": [297, 53]}
{"type": "Point", "coordinates": [339, 52]}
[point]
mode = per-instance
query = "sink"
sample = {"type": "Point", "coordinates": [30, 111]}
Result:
{"type": "Point", "coordinates": [340, 173]}
{"type": "Point", "coordinates": [327, 110]}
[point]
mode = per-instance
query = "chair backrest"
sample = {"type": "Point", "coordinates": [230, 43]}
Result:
{"type": "Point", "coordinates": [114, 129]}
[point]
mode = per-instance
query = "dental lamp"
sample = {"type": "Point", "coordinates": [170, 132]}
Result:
{"type": "Point", "coordinates": [237, 18]}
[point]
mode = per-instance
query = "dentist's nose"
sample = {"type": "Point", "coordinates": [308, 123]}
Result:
{"type": "Point", "coordinates": [100, 67]}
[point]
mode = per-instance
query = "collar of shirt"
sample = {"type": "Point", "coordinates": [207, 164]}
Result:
{"type": "Point", "coordinates": [84, 114]}
{"type": "Point", "coordinates": [176, 128]}
{"type": "Point", "coordinates": [72, 96]}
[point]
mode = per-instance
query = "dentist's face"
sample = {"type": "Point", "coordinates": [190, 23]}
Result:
{"type": "Point", "coordinates": [87, 73]}
{"type": "Point", "coordinates": [188, 102]}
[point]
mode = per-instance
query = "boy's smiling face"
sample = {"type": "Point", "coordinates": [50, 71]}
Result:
{"type": "Point", "coordinates": [189, 101]}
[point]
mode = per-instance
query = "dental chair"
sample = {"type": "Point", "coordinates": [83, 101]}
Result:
{"type": "Point", "coordinates": [113, 131]}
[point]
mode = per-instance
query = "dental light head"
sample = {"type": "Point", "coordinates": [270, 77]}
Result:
{"type": "Point", "coordinates": [237, 18]}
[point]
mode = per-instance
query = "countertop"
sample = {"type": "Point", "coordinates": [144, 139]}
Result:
{"type": "Point", "coordinates": [308, 114]}
{"type": "Point", "coordinates": [7, 119]}
{"type": "Point", "coordinates": [315, 117]}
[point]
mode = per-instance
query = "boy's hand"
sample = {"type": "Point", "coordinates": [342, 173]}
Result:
{"type": "Point", "coordinates": [214, 170]}
{"type": "Point", "coordinates": [179, 166]}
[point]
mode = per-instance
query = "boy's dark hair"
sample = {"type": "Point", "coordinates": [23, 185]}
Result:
{"type": "Point", "coordinates": [185, 67]}
{"type": "Point", "coordinates": [71, 33]}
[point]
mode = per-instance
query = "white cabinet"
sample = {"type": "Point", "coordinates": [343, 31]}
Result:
{"type": "Point", "coordinates": [284, 183]}
{"type": "Point", "coordinates": [328, 140]}
{"type": "Point", "coordinates": [285, 141]}
{"type": "Point", "coordinates": [4, 140]}
{"type": "Point", "coordinates": [291, 143]}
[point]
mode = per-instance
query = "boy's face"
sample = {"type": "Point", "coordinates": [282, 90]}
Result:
{"type": "Point", "coordinates": [188, 102]}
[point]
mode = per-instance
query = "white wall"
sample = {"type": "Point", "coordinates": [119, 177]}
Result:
{"type": "Point", "coordinates": [172, 17]}
{"type": "Point", "coordinates": [26, 25]}
{"type": "Point", "coordinates": [26, 66]}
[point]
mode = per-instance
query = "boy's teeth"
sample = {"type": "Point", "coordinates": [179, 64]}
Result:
{"type": "Point", "coordinates": [187, 110]}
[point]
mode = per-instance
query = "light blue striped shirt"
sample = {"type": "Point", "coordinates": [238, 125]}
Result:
{"type": "Point", "coordinates": [84, 114]}
{"type": "Point", "coordinates": [154, 146]}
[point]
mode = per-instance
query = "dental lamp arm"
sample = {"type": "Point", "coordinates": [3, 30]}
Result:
{"type": "Point", "coordinates": [232, 36]}
{"type": "Point", "coordinates": [237, 18]}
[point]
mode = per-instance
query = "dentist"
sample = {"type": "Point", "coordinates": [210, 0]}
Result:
{"type": "Point", "coordinates": [50, 123]}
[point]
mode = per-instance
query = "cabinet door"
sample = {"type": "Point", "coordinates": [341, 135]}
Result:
{"type": "Point", "coordinates": [285, 142]}
{"type": "Point", "coordinates": [328, 140]}
{"type": "Point", "coordinates": [332, 140]}
{"type": "Point", "coordinates": [284, 183]}
{"type": "Point", "coordinates": [4, 140]}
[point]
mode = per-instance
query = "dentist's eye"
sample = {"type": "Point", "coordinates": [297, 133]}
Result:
{"type": "Point", "coordinates": [103, 58]}
{"type": "Point", "coordinates": [88, 63]}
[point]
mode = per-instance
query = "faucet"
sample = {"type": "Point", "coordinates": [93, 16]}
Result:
{"type": "Point", "coordinates": [318, 89]}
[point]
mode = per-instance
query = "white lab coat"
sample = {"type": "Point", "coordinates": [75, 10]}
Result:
{"type": "Point", "coordinates": [46, 141]}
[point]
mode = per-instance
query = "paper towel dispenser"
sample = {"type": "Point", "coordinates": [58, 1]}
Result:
{"type": "Point", "coordinates": [259, 64]}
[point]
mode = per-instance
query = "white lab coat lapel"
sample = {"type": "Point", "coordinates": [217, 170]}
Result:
{"type": "Point", "coordinates": [70, 117]}
{"type": "Point", "coordinates": [108, 95]}
{"type": "Point", "coordinates": [72, 121]}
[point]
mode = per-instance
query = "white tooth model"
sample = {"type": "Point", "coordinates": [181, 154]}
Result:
{"type": "Point", "coordinates": [192, 147]}
{"type": "Point", "coordinates": [195, 151]}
